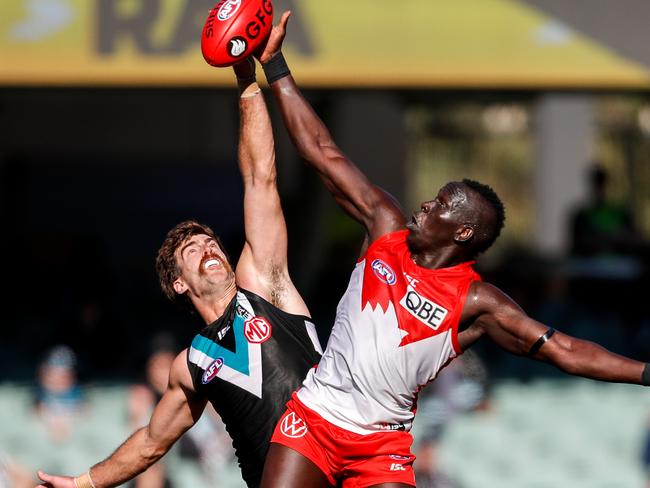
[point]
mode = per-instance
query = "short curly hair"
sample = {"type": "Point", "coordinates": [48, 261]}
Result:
{"type": "Point", "coordinates": [166, 265]}
{"type": "Point", "coordinates": [494, 202]}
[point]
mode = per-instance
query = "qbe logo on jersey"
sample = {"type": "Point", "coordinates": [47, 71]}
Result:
{"type": "Point", "coordinates": [384, 272]}
{"type": "Point", "coordinates": [293, 426]}
{"type": "Point", "coordinates": [426, 311]}
{"type": "Point", "coordinates": [257, 330]}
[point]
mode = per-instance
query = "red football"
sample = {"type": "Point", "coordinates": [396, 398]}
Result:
{"type": "Point", "coordinates": [235, 29]}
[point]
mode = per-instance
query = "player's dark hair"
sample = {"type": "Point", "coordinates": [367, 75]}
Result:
{"type": "Point", "coordinates": [487, 238]}
{"type": "Point", "coordinates": [166, 265]}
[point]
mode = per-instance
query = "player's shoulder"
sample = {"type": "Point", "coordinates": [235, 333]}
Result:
{"type": "Point", "coordinates": [180, 371]}
{"type": "Point", "coordinates": [486, 291]}
{"type": "Point", "coordinates": [489, 298]}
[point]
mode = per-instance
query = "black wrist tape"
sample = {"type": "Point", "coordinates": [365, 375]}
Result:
{"type": "Point", "coordinates": [276, 68]}
{"type": "Point", "coordinates": [645, 377]}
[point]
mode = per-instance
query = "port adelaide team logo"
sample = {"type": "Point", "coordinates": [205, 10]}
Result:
{"type": "Point", "coordinates": [384, 272]}
{"type": "Point", "coordinates": [212, 371]}
{"type": "Point", "coordinates": [237, 46]}
{"type": "Point", "coordinates": [257, 330]}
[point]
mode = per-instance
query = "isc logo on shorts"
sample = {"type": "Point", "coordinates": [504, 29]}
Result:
{"type": "Point", "coordinates": [293, 426]}
{"type": "Point", "coordinates": [426, 311]}
{"type": "Point", "coordinates": [257, 330]}
{"type": "Point", "coordinates": [383, 272]}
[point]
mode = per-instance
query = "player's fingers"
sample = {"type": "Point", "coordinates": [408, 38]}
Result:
{"type": "Point", "coordinates": [284, 20]}
{"type": "Point", "coordinates": [46, 478]}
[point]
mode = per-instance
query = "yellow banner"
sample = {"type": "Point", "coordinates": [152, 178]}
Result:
{"type": "Point", "coordinates": [347, 43]}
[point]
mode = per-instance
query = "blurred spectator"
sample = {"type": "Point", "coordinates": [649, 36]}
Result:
{"type": "Point", "coordinates": [463, 386]}
{"type": "Point", "coordinates": [427, 472]}
{"type": "Point", "coordinates": [58, 396]}
{"type": "Point", "coordinates": [645, 454]}
{"type": "Point", "coordinates": [144, 396]}
{"type": "Point", "coordinates": [607, 268]}
{"type": "Point", "coordinates": [601, 226]}
{"type": "Point", "coordinates": [206, 443]}
{"type": "Point", "coordinates": [13, 475]}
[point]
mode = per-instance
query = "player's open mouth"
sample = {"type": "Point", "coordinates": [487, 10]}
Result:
{"type": "Point", "coordinates": [212, 263]}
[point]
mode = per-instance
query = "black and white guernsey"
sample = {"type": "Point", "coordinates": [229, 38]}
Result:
{"type": "Point", "coordinates": [247, 363]}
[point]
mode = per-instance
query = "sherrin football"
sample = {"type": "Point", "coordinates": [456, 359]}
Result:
{"type": "Point", "coordinates": [234, 29]}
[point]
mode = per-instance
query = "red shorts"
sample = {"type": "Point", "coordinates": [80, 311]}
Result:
{"type": "Point", "coordinates": [356, 460]}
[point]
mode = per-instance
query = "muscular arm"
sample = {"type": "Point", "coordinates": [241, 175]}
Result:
{"type": "Point", "coordinates": [176, 412]}
{"type": "Point", "coordinates": [500, 318]}
{"type": "Point", "coordinates": [363, 201]}
{"type": "Point", "coordinates": [262, 267]}
{"type": "Point", "coordinates": [369, 205]}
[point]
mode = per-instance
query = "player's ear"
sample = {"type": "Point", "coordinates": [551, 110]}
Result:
{"type": "Point", "coordinates": [180, 286]}
{"type": "Point", "coordinates": [464, 234]}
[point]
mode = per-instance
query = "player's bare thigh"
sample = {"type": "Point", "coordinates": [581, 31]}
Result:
{"type": "Point", "coordinates": [286, 468]}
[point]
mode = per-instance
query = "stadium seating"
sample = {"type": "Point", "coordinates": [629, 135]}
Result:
{"type": "Point", "coordinates": [550, 434]}
{"type": "Point", "coordinates": [543, 434]}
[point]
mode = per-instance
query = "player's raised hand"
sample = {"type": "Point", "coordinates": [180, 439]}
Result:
{"type": "Point", "coordinates": [56, 481]}
{"type": "Point", "coordinates": [274, 42]}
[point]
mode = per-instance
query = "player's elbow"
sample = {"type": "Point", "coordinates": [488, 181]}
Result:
{"type": "Point", "coordinates": [151, 453]}
{"type": "Point", "coordinates": [309, 149]}
{"type": "Point", "coordinates": [567, 358]}
{"type": "Point", "coordinates": [570, 366]}
{"type": "Point", "coordinates": [152, 449]}
{"type": "Point", "coordinates": [313, 145]}
{"type": "Point", "coordinates": [577, 359]}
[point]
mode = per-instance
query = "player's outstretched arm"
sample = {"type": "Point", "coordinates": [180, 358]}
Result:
{"type": "Point", "coordinates": [262, 267]}
{"type": "Point", "coordinates": [176, 412]}
{"type": "Point", "coordinates": [361, 199]}
{"type": "Point", "coordinates": [507, 324]}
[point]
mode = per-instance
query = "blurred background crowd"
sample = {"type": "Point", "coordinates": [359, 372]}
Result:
{"type": "Point", "coordinates": [113, 129]}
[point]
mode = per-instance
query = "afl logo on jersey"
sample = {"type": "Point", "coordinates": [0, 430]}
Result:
{"type": "Point", "coordinates": [212, 371]}
{"type": "Point", "coordinates": [257, 330]}
{"type": "Point", "coordinates": [383, 272]}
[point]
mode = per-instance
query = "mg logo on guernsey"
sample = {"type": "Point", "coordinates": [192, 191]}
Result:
{"type": "Point", "coordinates": [383, 272]}
{"type": "Point", "coordinates": [257, 330]}
{"type": "Point", "coordinates": [426, 311]}
{"type": "Point", "coordinates": [293, 426]}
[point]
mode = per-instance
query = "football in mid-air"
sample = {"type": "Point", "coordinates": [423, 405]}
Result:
{"type": "Point", "coordinates": [234, 29]}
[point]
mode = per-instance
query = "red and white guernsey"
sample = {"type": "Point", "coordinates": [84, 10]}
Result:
{"type": "Point", "coordinates": [396, 327]}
